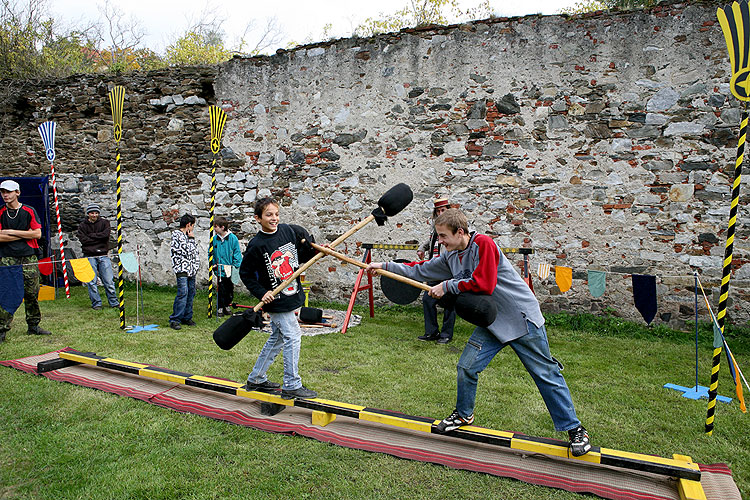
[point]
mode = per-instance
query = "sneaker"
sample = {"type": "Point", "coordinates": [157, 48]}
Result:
{"type": "Point", "coordinates": [96, 308]}
{"type": "Point", "coordinates": [303, 392]}
{"type": "Point", "coordinates": [37, 330]}
{"type": "Point", "coordinates": [429, 338]}
{"type": "Point", "coordinates": [444, 340]}
{"type": "Point", "coordinates": [579, 441]}
{"type": "Point", "coordinates": [174, 325]}
{"type": "Point", "coordinates": [453, 422]}
{"type": "Point", "coordinates": [262, 386]}
{"type": "Point", "coordinates": [220, 312]}
{"type": "Point", "coordinates": [189, 322]}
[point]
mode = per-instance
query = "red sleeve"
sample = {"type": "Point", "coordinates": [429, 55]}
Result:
{"type": "Point", "coordinates": [484, 278]}
{"type": "Point", "coordinates": [2, 210]}
{"type": "Point", "coordinates": [34, 224]}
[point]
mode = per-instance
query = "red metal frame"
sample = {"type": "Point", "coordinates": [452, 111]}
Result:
{"type": "Point", "coordinates": [359, 288]}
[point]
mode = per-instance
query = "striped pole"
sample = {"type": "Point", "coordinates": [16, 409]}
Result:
{"type": "Point", "coordinates": [47, 131]}
{"type": "Point", "coordinates": [218, 118]}
{"type": "Point", "coordinates": [733, 19]}
{"type": "Point", "coordinates": [116, 101]}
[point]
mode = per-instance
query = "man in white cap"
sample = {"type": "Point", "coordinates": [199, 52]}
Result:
{"type": "Point", "coordinates": [20, 231]}
{"type": "Point", "coordinates": [93, 233]}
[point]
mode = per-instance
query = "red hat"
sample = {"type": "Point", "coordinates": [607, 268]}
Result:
{"type": "Point", "coordinates": [441, 202]}
{"type": "Point", "coordinates": [276, 255]}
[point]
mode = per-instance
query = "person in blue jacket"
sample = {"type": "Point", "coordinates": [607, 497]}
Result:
{"type": "Point", "coordinates": [226, 253]}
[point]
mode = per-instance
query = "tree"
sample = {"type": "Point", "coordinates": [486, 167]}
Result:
{"type": "Point", "coordinates": [124, 37]}
{"type": "Point", "coordinates": [593, 5]}
{"type": "Point", "coordinates": [422, 13]}
{"type": "Point", "coordinates": [196, 48]}
{"type": "Point", "coordinates": [33, 45]}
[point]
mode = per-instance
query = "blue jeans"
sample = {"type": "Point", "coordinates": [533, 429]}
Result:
{"type": "Point", "coordinates": [285, 334]}
{"type": "Point", "coordinates": [103, 270]}
{"type": "Point", "coordinates": [182, 310]}
{"type": "Point", "coordinates": [533, 351]}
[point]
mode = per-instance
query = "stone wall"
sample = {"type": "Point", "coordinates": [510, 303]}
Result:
{"type": "Point", "coordinates": [604, 142]}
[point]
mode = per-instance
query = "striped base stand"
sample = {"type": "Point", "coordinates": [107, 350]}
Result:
{"type": "Point", "coordinates": [325, 411]}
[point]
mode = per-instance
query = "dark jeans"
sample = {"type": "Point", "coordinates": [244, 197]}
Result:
{"type": "Point", "coordinates": [225, 293]}
{"type": "Point", "coordinates": [182, 310]}
{"type": "Point", "coordinates": [430, 318]}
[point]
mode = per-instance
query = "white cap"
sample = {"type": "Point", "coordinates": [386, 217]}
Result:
{"type": "Point", "coordinates": [10, 185]}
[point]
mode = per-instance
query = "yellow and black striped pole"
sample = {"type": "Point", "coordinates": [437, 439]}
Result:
{"type": "Point", "coordinates": [218, 118]}
{"type": "Point", "coordinates": [734, 19]}
{"type": "Point", "coordinates": [116, 101]}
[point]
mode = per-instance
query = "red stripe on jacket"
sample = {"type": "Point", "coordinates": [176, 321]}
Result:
{"type": "Point", "coordinates": [484, 278]}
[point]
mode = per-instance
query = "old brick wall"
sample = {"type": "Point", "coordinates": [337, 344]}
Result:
{"type": "Point", "coordinates": [604, 142]}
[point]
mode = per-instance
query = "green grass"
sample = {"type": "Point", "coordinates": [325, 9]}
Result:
{"type": "Point", "coordinates": [62, 441]}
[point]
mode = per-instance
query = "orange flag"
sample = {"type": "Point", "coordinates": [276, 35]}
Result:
{"type": "Point", "coordinates": [46, 293]}
{"type": "Point", "coordinates": [563, 278]}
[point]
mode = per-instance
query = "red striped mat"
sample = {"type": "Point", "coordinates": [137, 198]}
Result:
{"type": "Point", "coordinates": [575, 476]}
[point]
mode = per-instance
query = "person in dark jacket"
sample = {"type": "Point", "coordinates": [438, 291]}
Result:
{"type": "Point", "coordinates": [271, 257]}
{"type": "Point", "coordinates": [429, 250]}
{"type": "Point", "coordinates": [93, 233]}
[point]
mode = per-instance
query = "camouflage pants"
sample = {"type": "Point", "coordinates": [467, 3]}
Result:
{"type": "Point", "coordinates": [30, 292]}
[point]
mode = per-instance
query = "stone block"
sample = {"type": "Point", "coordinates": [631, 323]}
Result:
{"type": "Point", "coordinates": [681, 192]}
{"type": "Point", "coordinates": [662, 100]}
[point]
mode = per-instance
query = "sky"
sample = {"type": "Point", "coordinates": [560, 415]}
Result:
{"type": "Point", "coordinates": [300, 21]}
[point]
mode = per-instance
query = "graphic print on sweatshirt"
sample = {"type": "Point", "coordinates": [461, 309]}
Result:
{"type": "Point", "coordinates": [281, 265]}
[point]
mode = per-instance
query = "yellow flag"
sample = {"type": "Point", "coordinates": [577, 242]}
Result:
{"type": "Point", "coordinates": [82, 270]}
{"type": "Point", "coordinates": [563, 278]}
{"type": "Point", "coordinates": [46, 293]}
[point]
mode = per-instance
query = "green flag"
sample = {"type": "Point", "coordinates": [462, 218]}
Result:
{"type": "Point", "coordinates": [597, 283]}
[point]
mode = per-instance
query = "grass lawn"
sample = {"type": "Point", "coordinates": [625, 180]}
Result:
{"type": "Point", "coordinates": [62, 441]}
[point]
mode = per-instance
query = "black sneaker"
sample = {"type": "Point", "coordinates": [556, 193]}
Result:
{"type": "Point", "coordinates": [37, 330]}
{"type": "Point", "coordinates": [174, 325]}
{"type": "Point", "coordinates": [266, 386]}
{"type": "Point", "coordinates": [220, 312]}
{"type": "Point", "coordinates": [444, 340]}
{"type": "Point", "coordinates": [189, 322]}
{"type": "Point", "coordinates": [303, 392]}
{"type": "Point", "coordinates": [579, 441]}
{"type": "Point", "coordinates": [453, 422]}
{"type": "Point", "coordinates": [429, 338]}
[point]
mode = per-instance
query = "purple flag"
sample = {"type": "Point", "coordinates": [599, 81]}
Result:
{"type": "Point", "coordinates": [11, 288]}
{"type": "Point", "coordinates": [644, 296]}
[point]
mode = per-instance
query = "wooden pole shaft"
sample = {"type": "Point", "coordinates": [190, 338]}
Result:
{"type": "Point", "coordinates": [383, 272]}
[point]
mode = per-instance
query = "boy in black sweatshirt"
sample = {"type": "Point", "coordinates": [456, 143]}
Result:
{"type": "Point", "coordinates": [271, 257]}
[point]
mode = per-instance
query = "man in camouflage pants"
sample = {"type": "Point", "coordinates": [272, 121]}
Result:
{"type": "Point", "coordinates": [20, 231]}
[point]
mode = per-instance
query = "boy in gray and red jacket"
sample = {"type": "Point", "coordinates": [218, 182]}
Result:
{"type": "Point", "coordinates": [474, 263]}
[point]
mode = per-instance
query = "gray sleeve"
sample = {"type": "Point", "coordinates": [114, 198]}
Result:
{"type": "Point", "coordinates": [429, 271]}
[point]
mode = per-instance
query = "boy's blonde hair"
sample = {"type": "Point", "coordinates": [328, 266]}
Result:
{"type": "Point", "coordinates": [454, 219]}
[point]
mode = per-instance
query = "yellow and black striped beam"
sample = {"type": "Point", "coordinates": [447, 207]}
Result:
{"type": "Point", "coordinates": [390, 246]}
{"type": "Point", "coordinates": [734, 20]}
{"type": "Point", "coordinates": [217, 118]}
{"type": "Point", "coordinates": [117, 102]}
{"type": "Point", "coordinates": [407, 246]}
{"type": "Point", "coordinates": [324, 411]}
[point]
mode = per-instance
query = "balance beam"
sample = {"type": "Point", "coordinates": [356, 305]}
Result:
{"type": "Point", "coordinates": [325, 411]}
